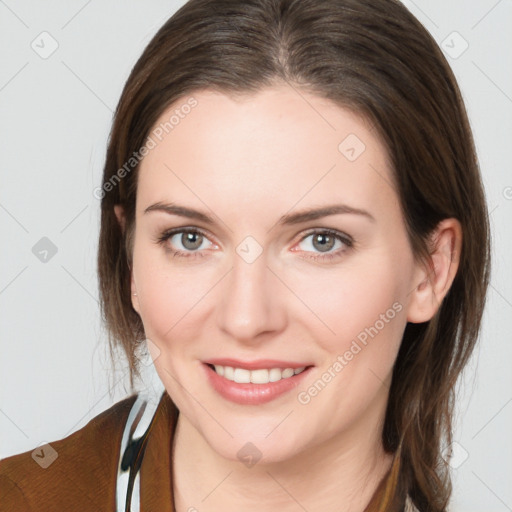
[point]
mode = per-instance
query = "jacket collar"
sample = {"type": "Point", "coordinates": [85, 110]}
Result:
{"type": "Point", "coordinates": [156, 468]}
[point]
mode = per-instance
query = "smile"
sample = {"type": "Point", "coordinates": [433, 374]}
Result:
{"type": "Point", "coordinates": [262, 376]}
{"type": "Point", "coordinates": [253, 386]}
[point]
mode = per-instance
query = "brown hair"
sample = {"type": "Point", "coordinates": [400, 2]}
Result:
{"type": "Point", "coordinates": [375, 58]}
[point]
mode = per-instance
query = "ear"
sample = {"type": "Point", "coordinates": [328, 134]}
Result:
{"type": "Point", "coordinates": [434, 282]}
{"type": "Point", "coordinates": [121, 218]}
{"type": "Point", "coordinates": [119, 211]}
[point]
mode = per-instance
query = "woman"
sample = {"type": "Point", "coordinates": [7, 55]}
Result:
{"type": "Point", "coordinates": [285, 227]}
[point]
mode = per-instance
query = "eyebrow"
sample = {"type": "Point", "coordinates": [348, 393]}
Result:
{"type": "Point", "coordinates": [288, 219]}
{"type": "Point", "coordinates": [324, 211]}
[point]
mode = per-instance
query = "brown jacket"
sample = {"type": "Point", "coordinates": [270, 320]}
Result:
{"type": "Point", "coordinates": [83, 475]}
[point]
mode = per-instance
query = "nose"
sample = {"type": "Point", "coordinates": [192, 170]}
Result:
{"type": "Point", "coordinates": [251, 304]}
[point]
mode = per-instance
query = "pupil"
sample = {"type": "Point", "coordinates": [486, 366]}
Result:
{"type": "Point", "coordinates": [324, 247]}
{"type": "Point", "coordinates": [191, 240]}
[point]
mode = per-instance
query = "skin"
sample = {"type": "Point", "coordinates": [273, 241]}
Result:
{"type": "Point", "coordinates": [247, 162]}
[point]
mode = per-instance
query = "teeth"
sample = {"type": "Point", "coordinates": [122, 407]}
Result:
{"type": "Point", "coordinates": [229, 373]}
{"type": "Point", "coordinates": [263, 376]}
{"type": "Point", "coordinates": [275, 375]}
{"type": "Point", "coordinates": [259, 376]}
{"type": "Point", "coordinates": [287, 373]}
{"type": "Point", "coordinates": [242, 376]}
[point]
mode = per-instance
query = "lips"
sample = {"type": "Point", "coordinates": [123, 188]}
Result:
{"type": "Point", "coordinates": [254, 382]}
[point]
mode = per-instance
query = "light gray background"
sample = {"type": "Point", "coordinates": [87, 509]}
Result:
{"type": "Point", "coordinates": [55, 116]}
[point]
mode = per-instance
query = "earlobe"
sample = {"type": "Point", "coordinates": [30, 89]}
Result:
{"type": "Point", "coordinates": [119, 211]}
{"type": "Point", "coordinates": [435, 282]}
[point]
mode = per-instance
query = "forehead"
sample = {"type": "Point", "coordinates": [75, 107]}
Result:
{"type": "Point", "coordinates": [279, 144]}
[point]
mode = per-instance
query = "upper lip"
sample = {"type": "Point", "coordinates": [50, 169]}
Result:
{"type": "Point", "coordinates": [258, 364]}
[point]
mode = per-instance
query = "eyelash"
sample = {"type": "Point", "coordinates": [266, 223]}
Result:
{"type": "Point", "coordinates": [345, 239]}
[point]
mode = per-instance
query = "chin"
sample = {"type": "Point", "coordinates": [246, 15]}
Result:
{"type": "Point", "coordinates": [269, 439]}
{"type": "Point", "coordinates": [251, 451]}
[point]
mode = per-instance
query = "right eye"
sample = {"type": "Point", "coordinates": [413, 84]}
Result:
{"type": "Point", "coordinates": [185, 242]}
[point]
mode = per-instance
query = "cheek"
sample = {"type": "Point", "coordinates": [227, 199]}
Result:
{"type": "Point", "coordinates": [348, 301]}
{"type": "Point", "coordinates": [364, 307]}
{"type": "Point", "coordinates": [168, 294]}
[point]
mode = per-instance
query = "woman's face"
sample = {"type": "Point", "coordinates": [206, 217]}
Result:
{"type": "Point", "coordinates": [247, 280]}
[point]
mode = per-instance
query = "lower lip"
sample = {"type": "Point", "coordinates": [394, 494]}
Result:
{"type": "Point", "coordinates": [252, 394]}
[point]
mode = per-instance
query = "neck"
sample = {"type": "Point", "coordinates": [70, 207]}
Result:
{"type": "Point", "coordinates": [339, 475]}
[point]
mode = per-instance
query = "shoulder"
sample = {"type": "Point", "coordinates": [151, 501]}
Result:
{"type": "Point", "coordinates": [77, 472]}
